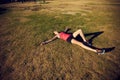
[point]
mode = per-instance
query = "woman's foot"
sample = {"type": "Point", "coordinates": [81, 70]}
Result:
{"type": "Point", "coordinates": [100, 51]}
{"type": "Point", "coordinates": [87, 42]}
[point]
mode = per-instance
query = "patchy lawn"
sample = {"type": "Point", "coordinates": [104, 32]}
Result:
{"type": "Point", "coordinates": [24, 26]}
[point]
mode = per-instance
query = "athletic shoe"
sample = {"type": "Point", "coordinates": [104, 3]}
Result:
{"type": "Point", "coordinates": [87, 43]}
{"type": "Point", "coordinates": [101, 51]}
{"type": "Point", "coordinates": [90, 44]}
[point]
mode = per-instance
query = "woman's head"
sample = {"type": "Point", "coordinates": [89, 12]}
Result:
{"type": "Point", "coordinates": [56, 32]}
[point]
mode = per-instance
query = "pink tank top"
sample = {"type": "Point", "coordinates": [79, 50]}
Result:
{"type": "Point", "coordinates": [64, 36]}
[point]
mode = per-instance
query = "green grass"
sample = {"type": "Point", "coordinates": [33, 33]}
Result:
{"type": "Point", "coordinates": [22, 58]}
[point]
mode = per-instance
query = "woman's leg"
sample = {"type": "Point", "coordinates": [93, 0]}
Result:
{"type": "Point", "coordinates": [73, 41]}
{"type": "Point", "coordinates": [79, 32]}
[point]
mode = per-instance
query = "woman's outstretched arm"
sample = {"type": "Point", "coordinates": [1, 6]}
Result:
{"type": "Point", "coordinates": [50, 40]}
{"type": "Point", "coordinates": [67, 29]}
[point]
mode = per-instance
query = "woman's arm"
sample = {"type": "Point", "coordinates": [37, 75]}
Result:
{"type": "Point", "coordinates": [67, 29]}
{"type": "Point", "coordinates": [50, 40]}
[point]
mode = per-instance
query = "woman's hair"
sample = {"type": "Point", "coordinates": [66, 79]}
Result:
{"type": "Point", "coordinates": [56, 32]}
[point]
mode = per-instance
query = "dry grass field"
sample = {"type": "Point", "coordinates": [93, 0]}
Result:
{"type": "Point", "coordinates": [24, 25]}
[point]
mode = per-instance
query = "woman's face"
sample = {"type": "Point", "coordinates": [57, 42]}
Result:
{"type": "Point", "coordinates": [56, 33]}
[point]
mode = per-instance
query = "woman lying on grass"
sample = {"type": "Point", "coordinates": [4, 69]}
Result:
{"type": "Point", "coordinates": [71, 39]}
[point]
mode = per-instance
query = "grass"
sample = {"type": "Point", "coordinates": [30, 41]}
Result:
{"type": "Point", "coordinates": [21, 31]}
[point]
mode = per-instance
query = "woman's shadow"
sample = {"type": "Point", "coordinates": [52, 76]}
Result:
{"type": "Point", "coordinates": [93, 35]}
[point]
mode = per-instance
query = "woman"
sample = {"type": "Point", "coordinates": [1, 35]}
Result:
{"type": "Point", "coordinates": [71, 39]}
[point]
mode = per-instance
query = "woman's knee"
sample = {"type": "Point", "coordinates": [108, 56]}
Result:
{"type": "Point", "coordinates": [79, 30]}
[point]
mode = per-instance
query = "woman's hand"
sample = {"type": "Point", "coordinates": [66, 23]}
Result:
{"type": "Point", "coordinates": [43, 43]}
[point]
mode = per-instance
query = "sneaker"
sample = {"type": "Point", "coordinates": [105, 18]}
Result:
{"type": "Point", "coordinates": [90, 44]}
{"type": "Point", "coordinates": [87, 43]}
{"type": "Point", "coordinates": [102, 51]}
